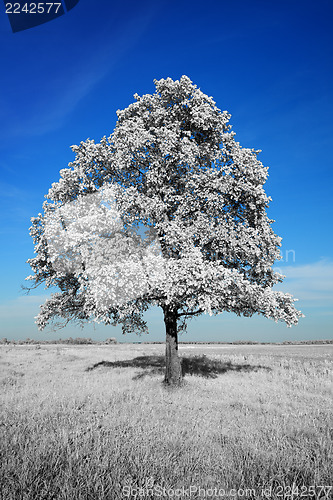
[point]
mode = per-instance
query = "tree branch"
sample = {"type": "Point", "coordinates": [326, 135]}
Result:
{"type": "Point", "coordinates": [199, 311]}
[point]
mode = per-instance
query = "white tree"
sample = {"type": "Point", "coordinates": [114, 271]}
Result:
{"type": "Point", "coordinates": [172, 165]}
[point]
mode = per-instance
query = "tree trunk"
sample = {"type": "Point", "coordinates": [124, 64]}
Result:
{"type": "Point", "coordinates": [173, 368]}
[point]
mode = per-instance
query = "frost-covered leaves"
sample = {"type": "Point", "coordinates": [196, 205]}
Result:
{"type": "Point", "coordinates": [172, 165]}
{"type": "Point", "coordinates": [114, 268]}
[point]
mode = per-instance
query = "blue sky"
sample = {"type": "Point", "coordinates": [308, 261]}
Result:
{"type": "Point", "coordinates": [269, 63]}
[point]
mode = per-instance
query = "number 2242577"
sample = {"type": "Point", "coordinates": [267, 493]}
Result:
{"type": "Point", "coordinates": [33, 8]}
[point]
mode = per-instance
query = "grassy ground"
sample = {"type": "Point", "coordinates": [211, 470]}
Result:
{"type": "Point", "coordinates": [96, 422]}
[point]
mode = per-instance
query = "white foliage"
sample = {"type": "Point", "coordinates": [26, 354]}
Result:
{"type": "Point", "coordinates": [173, 165]}
{"type": "Point", "coordinates": [87, 238]}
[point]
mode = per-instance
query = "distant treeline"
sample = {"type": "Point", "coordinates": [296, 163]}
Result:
{"type": "Point", "coordinates": [112, 340]}
{"type": "Point", "coordinates": [75, 341]}
{"type": "Point", "coordinates": [247, 342]}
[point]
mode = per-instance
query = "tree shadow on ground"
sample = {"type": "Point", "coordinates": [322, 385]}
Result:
{"type": "Point", "coordinates": [193, 365]}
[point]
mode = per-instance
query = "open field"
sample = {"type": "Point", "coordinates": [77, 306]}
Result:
{"type": "Point", "coordinates": [95, 422]}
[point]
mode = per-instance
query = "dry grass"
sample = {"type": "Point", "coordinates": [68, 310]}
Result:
{"type": "Point", "coordinates": [67, 432]}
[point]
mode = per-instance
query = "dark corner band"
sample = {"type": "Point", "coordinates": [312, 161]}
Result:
{"type": "Point", "coordinates": [23, 15]}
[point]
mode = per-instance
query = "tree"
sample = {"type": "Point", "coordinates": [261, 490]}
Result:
{"type": "Point", "coordinates": [172, 166]}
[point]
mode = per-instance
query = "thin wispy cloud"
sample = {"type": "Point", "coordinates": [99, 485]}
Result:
{"type": "Point", "coordinates": [21, 307]}
{"type": "Point", "coordinates": [310, 283]}
{"type": "Point", "coordinates": [8, 190]}
{"type": "Point", "coordinates": [50, 106]}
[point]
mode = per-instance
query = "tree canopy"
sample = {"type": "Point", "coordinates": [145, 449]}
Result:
{"type": "Point", "coordinates": [173, 166]}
